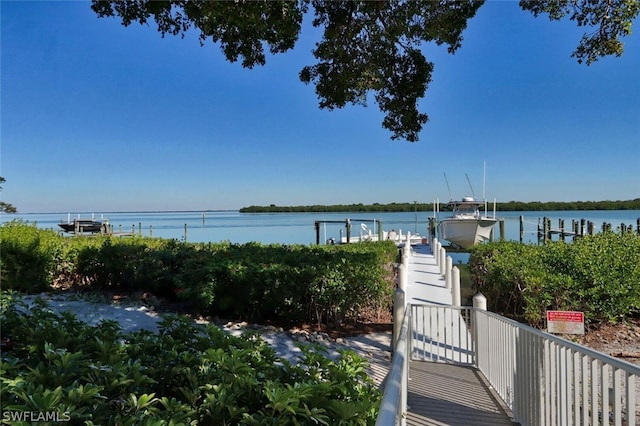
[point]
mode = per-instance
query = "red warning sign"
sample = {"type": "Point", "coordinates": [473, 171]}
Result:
{"type": "Point", "coordinates": [565, 322]}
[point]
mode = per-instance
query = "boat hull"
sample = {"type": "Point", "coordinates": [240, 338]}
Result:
{"type": "Point", "coordinates": [465, 233]}
{"type": "Point", "coordinates": [82, 226]}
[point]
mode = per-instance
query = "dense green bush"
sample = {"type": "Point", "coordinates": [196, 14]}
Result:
{"type": "Point", "coordinates": [185, 374]}
{"type": "Point", "coordinates": [246, 281]}
{"type": "Point", "coordinates": [599, 275]}
{"type": "Point", "coordinates": [29, 257]}
{"type": "Point", "coordinates": [302, 283]}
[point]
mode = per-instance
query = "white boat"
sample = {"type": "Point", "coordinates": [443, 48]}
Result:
{"type": "Point", "coordinates": [467, 226]}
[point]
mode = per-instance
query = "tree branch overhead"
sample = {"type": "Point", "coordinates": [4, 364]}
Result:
{"type": "Point", "coordinates": [367, 47]}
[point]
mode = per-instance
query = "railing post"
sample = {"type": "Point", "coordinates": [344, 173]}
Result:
{"type": "Point", "coordinates": [398, 315]}
{"type": "Point", "coordinates": [406, 252]}
{"type": "Point", "coordinates": [404, 389]}
{"type": "Point", "coordinates": [455, 291]}
{"type": "Point", "coordinates": [405, 257]}
{"type": "Point", "coordinates": [442, 260]}
{"type": "Point", "coordinates": [479, 304]}
{"type": "Point", "coordinates": [393, 407]}
{"type": "Point", "coordinates": [402, 276]}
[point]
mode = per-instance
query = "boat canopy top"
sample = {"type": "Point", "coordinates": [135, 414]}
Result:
{"type": "Point", "coordinates": [466, 203]}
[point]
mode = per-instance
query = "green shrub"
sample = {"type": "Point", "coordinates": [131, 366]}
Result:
{"type": "Point", "coordinates": [28, 256]}
{"type": "Point", "coordinates": [184, 374]}
{"type": "Point", "coordinates": [302, 283]}
{"type": "Point", "coordinates": [255, 282]}
{"type": "Point", "coordinates": [599, 275]}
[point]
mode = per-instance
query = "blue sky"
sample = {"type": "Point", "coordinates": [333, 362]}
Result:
{"type": "Point", "coordinates": [96, 117]}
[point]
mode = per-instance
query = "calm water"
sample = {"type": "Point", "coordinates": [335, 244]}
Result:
{"type": "Point", "coordinates": [298, 228]}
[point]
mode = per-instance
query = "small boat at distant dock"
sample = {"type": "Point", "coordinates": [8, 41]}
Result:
{"type": "Point", "coordinates": [80, 226]}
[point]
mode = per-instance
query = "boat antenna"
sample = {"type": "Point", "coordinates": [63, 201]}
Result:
{"type": "Point", "coordinates": [448, 189]}
{"type": "Point", "coordinates": [469, 182]}
{"type": "Point", "coordinates": [484, 178]}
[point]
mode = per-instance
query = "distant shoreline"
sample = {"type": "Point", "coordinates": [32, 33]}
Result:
{"type": "Point", "coordinates": [411, 207]}
{"type": "Point", "coordinates": [524, 206]}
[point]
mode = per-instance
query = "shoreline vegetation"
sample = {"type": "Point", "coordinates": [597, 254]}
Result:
{"type": "Point", "coordinates": [410, 207]}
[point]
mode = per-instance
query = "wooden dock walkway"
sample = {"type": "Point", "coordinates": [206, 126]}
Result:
{"type": "Point", "coordinates": [425, 284]}
{"type": "Point", "coordinates": [449, 394]}
{"type": "Point", "coordinates": [444, 393]}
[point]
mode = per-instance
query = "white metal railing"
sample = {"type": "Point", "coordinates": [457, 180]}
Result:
{"type": "Point", "coordinates": [442, 333]}
{"type": "Point", "coordinates": [393, 408]}
{"type": "Point", "coordinates": [542, 378]}
{"type": "Point", "coordinates": [547, 380]}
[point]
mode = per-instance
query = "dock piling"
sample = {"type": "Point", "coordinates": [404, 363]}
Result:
{"type": "Point", "coordinates": [521, 228]}
{"type": "Point", "coordinates": [435, 249]}
{"type": "Point", "coordinates": [448, 272]}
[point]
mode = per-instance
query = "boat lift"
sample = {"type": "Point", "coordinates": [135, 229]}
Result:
{"type": "Point", "coordinates": [377, 227]}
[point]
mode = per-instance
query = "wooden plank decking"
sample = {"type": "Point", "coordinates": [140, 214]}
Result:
{"type": "Point", "coordinates": [448, 394]}
{"type": "Point", "coordinates": [445, 393]}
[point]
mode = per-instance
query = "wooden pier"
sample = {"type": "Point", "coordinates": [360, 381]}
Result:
{"type": "Point", "coordinates": [577, 229]}
{"type": "Point", "coordinates": [445, 393]}
{"type": "Point", "coordinates": [107, 230]}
